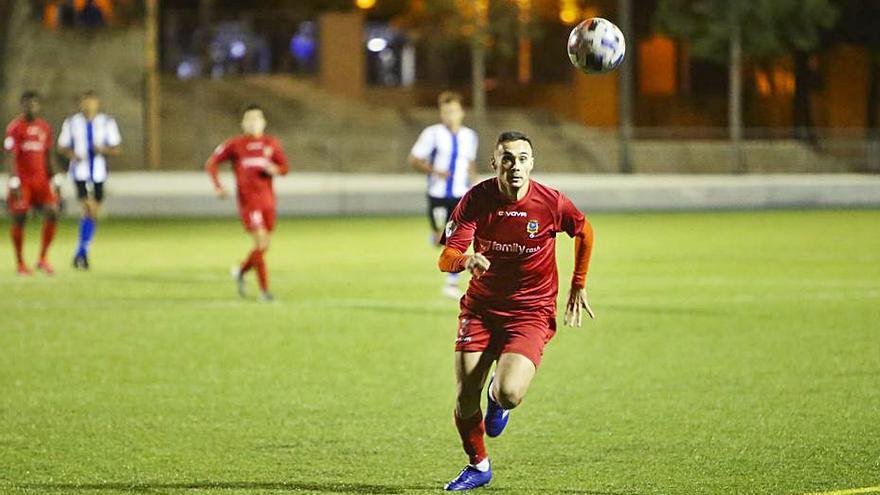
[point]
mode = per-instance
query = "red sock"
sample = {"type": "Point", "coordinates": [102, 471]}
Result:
{"type": "Point", "coordinates": [249, 262]}
{"type": "Point", "coordinates": [18, 241]}
{"type": "Point", "coordinates": [48, 235]}
{"type": "Point", "coordinates": [471, 432]}
{"type": "Point", "coordinates": [262, 276]}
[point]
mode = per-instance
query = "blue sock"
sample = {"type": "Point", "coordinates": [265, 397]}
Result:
{"type": "Point", "coordinates": [86, 234]}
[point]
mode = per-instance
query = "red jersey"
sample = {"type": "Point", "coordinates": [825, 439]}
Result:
{"type": "Point", "coordinates": [250, 155]}
{"type": "Point", "coordinates": [29, 143]}
{"type": "Point", "coordinates": [519, 240]}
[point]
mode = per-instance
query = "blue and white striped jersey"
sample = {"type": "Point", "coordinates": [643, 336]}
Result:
{"type": "Point", "coordinates": [82, 136]}
{"type": "Point", "coordinates": [447, 152]}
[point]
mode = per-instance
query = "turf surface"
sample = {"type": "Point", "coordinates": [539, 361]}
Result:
{"type": "Point", "coordinates": [733, 353]}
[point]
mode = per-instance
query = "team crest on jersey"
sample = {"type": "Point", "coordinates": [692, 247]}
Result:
{"type": "Point", "coordinates": [451, 227]}
{"type": "Point", "coordinates": [532, 228]}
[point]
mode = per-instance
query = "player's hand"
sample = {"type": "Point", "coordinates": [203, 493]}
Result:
{"type": "Point", "coordinates": [574, 310]}
{"type": "Point", "coordinates": [103, 150]}
{"type": "Point", "coordinates": [440, 174]}
{"type": "Point", "coordinates": [477, 264]}
{"type": "Point", "coordinates": [221, 192]}
{"type": "Point", "coordinates": [272, 169]}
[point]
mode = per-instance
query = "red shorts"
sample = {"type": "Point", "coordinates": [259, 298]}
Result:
{"type": "Point", "coordinates": [29, 195]}
{"type": "Point", "coordinates": [257, 218]}
{"type": "Point", "coordinates": [526, 335]}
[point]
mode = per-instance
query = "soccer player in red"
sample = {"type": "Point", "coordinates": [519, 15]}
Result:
{"type": "Point", "coordinates": [509, 311]}
{"type": "Point", "coordinates": [29, 140]}
{"type": "Point", "coordinates": [256, 159]}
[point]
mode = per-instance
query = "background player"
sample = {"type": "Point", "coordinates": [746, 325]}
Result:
{"type": "Point", "coordinates": [256, 159]}
{"type": "Point", "coordinates": [509, 312]}
{"type": "Point", "coordinates": [29, 140]}
{"type": "Point", "coordinates": [446, 152]}
{"type": "Point", "coordinates": [86, 139]}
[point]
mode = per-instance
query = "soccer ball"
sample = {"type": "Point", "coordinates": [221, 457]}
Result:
{"type": "Point", "coordinates": [596, 46]}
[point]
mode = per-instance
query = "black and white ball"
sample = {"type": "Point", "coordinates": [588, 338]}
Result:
{"type": "Point", "coordinates": [596, 46]}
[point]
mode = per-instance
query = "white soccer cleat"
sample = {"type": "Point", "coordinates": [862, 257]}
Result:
{"type": "Point", "coordinates": [236, 274]}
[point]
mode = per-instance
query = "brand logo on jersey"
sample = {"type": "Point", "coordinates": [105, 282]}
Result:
{"type": "Point", "coordinates": [254, 161]}
{"type": "Point", "coordinates": [507, 247]}
{"type": "Point", "coordinates": [505, 213]}
{"type": "Point", "coordinates": [532, 228]}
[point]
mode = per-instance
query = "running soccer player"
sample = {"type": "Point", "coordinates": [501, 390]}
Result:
{"type": "Point", "coordinates": [509, 311]}
{"type": "Point", "coordinates": [446, 153]}
{"type": "Point", "coordinates": [86, 140]}
{"type": "Point", "coordinates": [257, 158]}
{"type": "Point", "coordinates": [29, 140]}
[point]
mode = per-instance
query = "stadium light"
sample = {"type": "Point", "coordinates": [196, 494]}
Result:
{"type": "Point", "coordinates": [376, 45]}
{"type": "Point", "coordinates": [365, 4]}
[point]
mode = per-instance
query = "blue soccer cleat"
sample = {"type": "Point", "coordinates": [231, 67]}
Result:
{"type": "Point", "coordinates": [496, 416]}
{"type": "Point", "coordinates": [468, 479]}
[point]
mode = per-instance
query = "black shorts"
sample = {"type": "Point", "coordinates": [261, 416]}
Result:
{"type": "Point", "coordinates": [82, 190]}
{"type": "Point", "coordinates": [439, 211]}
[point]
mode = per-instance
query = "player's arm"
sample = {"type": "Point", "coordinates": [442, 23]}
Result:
{"type": "Point", "coordinates": [279, 165]}
{"type": "Point", "coordinates": [577, 296]}
{"type": "Point", "coordinates": [65, 143]}
{"type": "Point", "coordinates": [113, 145]}
{"type": "Point", "coordinates": [459, 234]}
{"type": "Point", "coordinates": [220, 155]}
{"type": "Point", "coordinates": [418, 157]}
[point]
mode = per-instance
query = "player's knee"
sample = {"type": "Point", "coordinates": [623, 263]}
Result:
{"type": "Point", "coordinates": [509, 396]}
{"type": "Point", "coordinates": [51, 215]}
{"type": "Point", "coordinates": [19, 219]}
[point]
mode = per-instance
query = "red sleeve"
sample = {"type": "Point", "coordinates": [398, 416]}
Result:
{"type": "Point", "coordinates": [583, 249]}
{"type": "Point", "coordinates": [459, 232]}
{"type": "Point", "coordinates": [279, 158]}
{"type": "Point", "coordinates": [571, 219]}
{"type": "Point", "coordinates": [221, 154]}
{"type": "Point", "coordinates": [10, 140]}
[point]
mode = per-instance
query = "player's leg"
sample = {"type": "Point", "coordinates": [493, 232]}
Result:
{"type": "Point", "coordinates": [451, 288]}
{"type": "Point", "coordinates": [513, 375]}
{"type": "Point", "coordinates": [87, 223]}
{"type": "Point", "coordinates": [262, 237]}
{"type": "Point", "coordinates": [50, 220]}
{"type": "Point", "coordinates": [471, 370]}
{"type": "Point", "coordinates": [520, 357]}
{"type": "Point", "coordinates": [19, 204]}
{"type": "Point", "coordinates": [438, 215]}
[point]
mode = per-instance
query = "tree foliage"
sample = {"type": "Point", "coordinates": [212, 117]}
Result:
{"type": "Point", "coordinates": [770, 28]}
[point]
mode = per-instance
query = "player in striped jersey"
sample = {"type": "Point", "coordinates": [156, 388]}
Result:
{"type": "Point", "coordinates": [446, 153]}
{"type": "Point", "coordinates": [86, 140]}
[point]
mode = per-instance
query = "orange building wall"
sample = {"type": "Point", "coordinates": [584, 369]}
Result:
{"type": "Point", "coordinates": [844, 98]}
{"type": "Point", "coordinates": [342, 58]}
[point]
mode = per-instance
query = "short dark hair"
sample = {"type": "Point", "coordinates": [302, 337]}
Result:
{"type": "Point", "coordinates": [29, 95]}
{"type": "Point", "coordinates": [508, 136]}
{"type": "Point", "coordinates": [448, 97]}
{"type": "Point", "coordinates": [252, 106]}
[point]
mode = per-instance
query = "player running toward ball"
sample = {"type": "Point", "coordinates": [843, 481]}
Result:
{"type": "Point", "coordinates": [29, 140]}
{"type": "Point", "coordinates": [446, 153]}
{"type": "Point", "coordinates": [509, 311]}
{"type": "Point", "coordinates": [256, 159]}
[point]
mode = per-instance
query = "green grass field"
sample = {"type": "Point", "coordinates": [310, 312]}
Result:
{"type": "Point", "coordinates": [733, 353]}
